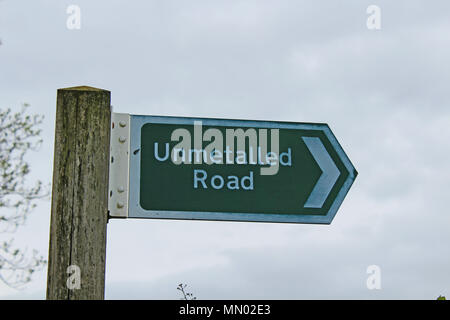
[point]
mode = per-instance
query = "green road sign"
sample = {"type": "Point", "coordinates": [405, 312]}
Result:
{"type": "Point", "coordinates": [232, 170]}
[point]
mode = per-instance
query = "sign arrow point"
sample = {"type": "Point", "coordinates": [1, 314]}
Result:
{"type": "Point", "coordinates": [329, 176]}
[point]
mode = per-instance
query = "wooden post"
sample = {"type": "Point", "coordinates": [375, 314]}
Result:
{"type": "Point", "coordinates": [79, 212]}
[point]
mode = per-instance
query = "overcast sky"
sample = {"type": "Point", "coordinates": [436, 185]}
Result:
{"type": "Point", "coordinates": [384, 93]}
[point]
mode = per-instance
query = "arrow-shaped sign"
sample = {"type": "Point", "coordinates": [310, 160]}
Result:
{"type": "Point", "coordinates": [233, 170]}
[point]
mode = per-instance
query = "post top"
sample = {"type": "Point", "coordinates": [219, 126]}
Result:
{"type": "Point", "coordinates": [82, 88]}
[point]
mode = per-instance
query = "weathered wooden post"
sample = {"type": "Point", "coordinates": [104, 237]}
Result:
{"type": "Point", "coordinates": [79, 211]}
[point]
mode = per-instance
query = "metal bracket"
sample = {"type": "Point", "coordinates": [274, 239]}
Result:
{"type": "Point", "coordinates": [119, 166]}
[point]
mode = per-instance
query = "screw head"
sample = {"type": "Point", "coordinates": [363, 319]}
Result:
{"type": "Point", "coordinates": [122, 139]}
{"type": "Point", "coordinates": [122, 123]}
{"type": "Point", "coordinates": [120, 189]}
{"type": "Point", "coordinates": [120, 205]}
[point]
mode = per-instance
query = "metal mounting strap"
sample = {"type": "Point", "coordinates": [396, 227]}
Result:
{"type": "Point", "coordinates": [119, 165]}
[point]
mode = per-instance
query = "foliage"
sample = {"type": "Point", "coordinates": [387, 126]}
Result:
{"type": "Point", "coordinates": [19, 133]}
{"type": "Point", "coordinates": [186, 295]}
